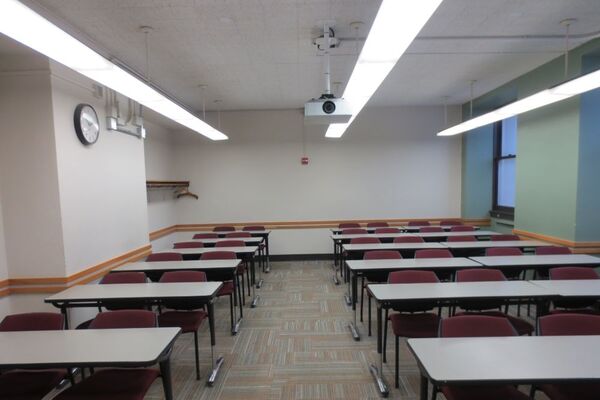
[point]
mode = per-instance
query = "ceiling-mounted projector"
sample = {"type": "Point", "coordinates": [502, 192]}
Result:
{"type": "Point", "coordinates": [327, 110]}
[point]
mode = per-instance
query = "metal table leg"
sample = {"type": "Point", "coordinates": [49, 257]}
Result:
{"type": "Point", "coordinates": [353, 326]}
{"type": "Point", "coordinates": [235, 327]}
{"type": "Point", "coordinates": [255, 297]}
{"type": "Point", "coordinates": [165, 373]}
{"type": "Point", "coordinates": [216, 365]}
{"type": "Point", "coordinates": [377, 373]}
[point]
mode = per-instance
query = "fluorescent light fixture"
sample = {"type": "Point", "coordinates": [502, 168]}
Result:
{"type": "Point", "coordinates": [24, 25]}
{"type": "Point", "coordinates": [557, 93]}
{"type": "Point", "coordinates": [396, 25]}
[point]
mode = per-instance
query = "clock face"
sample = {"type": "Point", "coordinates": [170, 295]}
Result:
{"type": "Point", "coordinates": [86, 124]}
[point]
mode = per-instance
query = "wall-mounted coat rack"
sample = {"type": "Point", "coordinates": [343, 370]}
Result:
{"type": "Point", "coordinates": [181, 187]}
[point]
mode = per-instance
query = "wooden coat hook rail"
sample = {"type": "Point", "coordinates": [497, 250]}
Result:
{"type": "Point", "coordinates": [181, 187]}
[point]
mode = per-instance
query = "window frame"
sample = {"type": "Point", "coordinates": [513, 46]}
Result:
{"type": "Point", "coordinates": [504, 211]}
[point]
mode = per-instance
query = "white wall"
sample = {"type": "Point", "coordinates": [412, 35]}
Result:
{"type": "Point", "coordinates": [102, 186]}
{"type": "Point", "coordinates": [389, 164]}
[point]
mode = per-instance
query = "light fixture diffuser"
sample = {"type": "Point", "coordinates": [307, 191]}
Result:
{"type": "Point", "coordinates": [31, 29]}
{"type": "Point", "coordinates": [396, 25]}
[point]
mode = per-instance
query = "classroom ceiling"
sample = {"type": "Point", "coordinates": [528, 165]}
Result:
{"type": "Point", "coordinates": [258, 54]}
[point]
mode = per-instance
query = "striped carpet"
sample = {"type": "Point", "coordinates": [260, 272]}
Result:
{"type": "Point", "coordinates": [294, 345]}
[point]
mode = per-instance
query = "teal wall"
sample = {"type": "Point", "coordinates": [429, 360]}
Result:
{"type": "Point", "coordinates": [557, 190]}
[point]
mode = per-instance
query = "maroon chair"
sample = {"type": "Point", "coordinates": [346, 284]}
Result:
{"type": "Point", "coordinates": [580, 304]}
{"type": "Point", "coordinates": [548, 250]}
{"type": "Point", "coordinates": [346, 225]}
{"type": "Point", "coordinates": [116, 383]}
{"type": "Point", "coordinates": [418, 223]}
{"type": "Point", "coordinates": [450, 222]}
{"type": "Point", "coordinates": [205, 236]}
{"type": "Point", "coordinates": [462, 228]}
{"type": "Point", "coordinates": [188, 245]}
{"type": "Point", "coordinates": [569, 324]}
{"type": "Point", "coordinates": [242, 267]}
{"type": "Point", "coordinates": [433, 253]}
{"type": "Point", "coordinates": [365, 240]}
{"type": "Point", "coordinates": [238, 235]}
{"type": "Point", "coordinates": [409, 239]}
{"type": "Point", "coordinates": [188, 314]}
{"type": "Point", "coordinates": [225, 228]}
{"type": "Point", "coordinates": [484, 307]}
{"type": "Point", "coordinates": [513, 273]}
{"type": "Point", "coordinates": [354, 231]}
{"type": "Point", "coordinates": [165, 256]}
{"type": "Point", "coordinates": [431, 229]}
{"type": "Point", "coordinates": [380, 224]}
{"type": "Point", "coordinates": [414, 321]}
{"type": "Point", "coordinates": [30, 385]}
{"type": "Point", "coordinates": [387, 230]}
{"type": "Point", "coordinates": [500, 238]}
{"type": "Point", "coordinates": [254, 228]}
{"type": "Point", "coordinates": [462, 238]}
{"type": "Point", "coordinates": [116, 278]}
{"type": "Point", "coordinates": [478, 326]}
{"type": "Point", "coordinates": [227, 288]}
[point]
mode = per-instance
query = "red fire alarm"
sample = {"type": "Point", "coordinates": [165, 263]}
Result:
{"type": "Point", "coordinates": [304, 160]}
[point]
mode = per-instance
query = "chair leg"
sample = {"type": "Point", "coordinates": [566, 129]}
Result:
{"type": "Point", "coordinates": [532, 392]}
{"type": "Point", "coordinates": [397, 367]}
{"type": "Point", "coordinates": [369, 305]}
{"type": "Point", "coordinates": [385, 329]}
{"type": "Point", "coordinates": [362, 297]}
{"type": "Point", "coordinates": [197, 357]}
{"type": "Point", "coordinates": [434, 392]}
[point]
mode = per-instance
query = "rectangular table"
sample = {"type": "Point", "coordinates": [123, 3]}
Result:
{"type": "Point", "coordinates": [150, 293]}
{"type": "Point", "coordinates": [358, 267]}
{"type": "Point", "coordinates": [90, 348]}
{"type": "Point", "coordinates": [507, 360]}
{"type": "Point", "coordinates": [538, 261]}
{"type": "Point", "coordinates": [572, 288]}
{"type": "Point", "coordinates": [482, 245]}
{"type": "Point", "coordinates": [448, 293]}
{"type": "Point", "coordinates": [225, 267]}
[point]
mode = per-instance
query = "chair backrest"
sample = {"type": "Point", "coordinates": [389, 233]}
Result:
{"type": "Point", "coordinates": [380, 224]}
{"type": "Point", "coordinates": [462, 228]}
{"type": "Point", "coordinates": [238, 235]}
{"type": "Point", "coordinates": [183, 276]}
{"type": "Point", "coordinates": [476, 326]}
{"type": "Point", "coordinates": [479, 275]}
{"type": "Point", "coordinates": [433, 253]}
{"type": "Point", "coordinates": [123, 277]}
{"type": "Point", "coordinates": [431, 229]}
{"type": "Point", "coordinates": [35, 321]}
{"type": "Point", "coordinates": [412, 276]}
{"type": "Point", "coordinates": [365, 240]}
{"type": "Point", "coordinates": [569, 324]}
{"type": "Point", "coordinates": [418, 223]}
{"type": "Point", "coordinates": [387, 230]}
{"type": "Point", "coordinates": [450, 222]}
{"type": "Point", "coordinates": [225, 228]}
{"type": "Point", "coordinates": [382, 255]}
{"type": "Point", "coordinates": [205, 236]}
{"type": "Point", "coordinates": [565, 273]}
{"type": "Point", "coordinates": [165, 256]}
{"type": "Point", "coordinates": [499, 238]}
{"type": "Point", "coordinates": [230, 243]}
{"type": "Point", "coordinates": [354, 231]}
{"type": "Point", "coordinates": [503, 251]}
{"type": "Point", "coordinates": [462, 238]}
{"type": "Point", "coordinates": [219, 255]}
{"type": "Point", "coordinates": [409, 239]}
{"type": "Point", "coordinates": [254, 228]}
{"type": "Point", "coordinates": [122, 319]}
{"type": "Point", "coordinates": [552, 250]}
{"type": "Point", "coordinates": [187, 245]}
{"type": "Point", "coordinates": [345, 225]}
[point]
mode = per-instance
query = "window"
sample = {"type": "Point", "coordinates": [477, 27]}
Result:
{"type": "Point", "coordinates": [505, 161]}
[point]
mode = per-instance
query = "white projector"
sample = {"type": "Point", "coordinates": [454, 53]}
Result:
{"type": "Point", "coordinates": [326, 110]}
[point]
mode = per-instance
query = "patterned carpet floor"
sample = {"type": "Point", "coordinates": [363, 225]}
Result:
{"type": "Point", "coordinates": [295, 345]}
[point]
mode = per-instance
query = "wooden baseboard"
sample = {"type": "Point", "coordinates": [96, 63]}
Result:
{"type": "Point", "coordinates": [576, 247]}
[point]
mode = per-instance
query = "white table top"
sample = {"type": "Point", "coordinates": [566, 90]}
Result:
{"type": "Point", "coordinates": [489, 244]}
{"type": "Point", "coordinates": [195, 265]}
{"type": "Point", "coordinates": [392, 246]}
{"type": "Point", "coordinates": [255, 240]}
{"type": "Point", "coordinates": [444, 227]}
{"type": "Point", "coordinates": [423, 235]}
{"type": "Point", "coordinates": [202, 250]}
{"type": "Point", "coordinates": [412, 263]}
{"type": "Point", "coordinates": [457, 290]}
{"type": "Point", "coordinates": [508, 359]}
{"type": "Point", "coordinates": [538, 260]}
{"type": "Point", "coordinates": [572, 288]}
{"type": "Point", "coordinates": [84, 347]}
{"type": "Point", "coordinates": [265, 232]}
{"type": "Point", "coordinates": [136, 291]}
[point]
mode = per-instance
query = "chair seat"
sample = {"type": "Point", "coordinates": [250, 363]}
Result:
{"type": "Point", "coordinates": [112, 384]}
{"type": "Point", "coordinates": [29, 385]}
{"type": "Point", "coordinates": [226, 289]}
{"type": "Point", "coordinates": [483, 392]}
{"type": "Point", "coordinates": [188, 321]}
{"type": "Point", "coordinates": [420, 325]}
{"type": "Point", "coordinates": [521, 326]}
{"type": "Point", "coordinates": [572, 391]}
